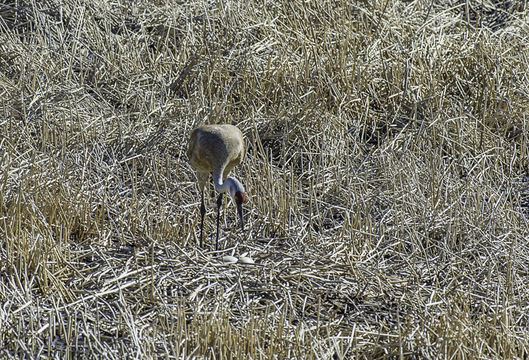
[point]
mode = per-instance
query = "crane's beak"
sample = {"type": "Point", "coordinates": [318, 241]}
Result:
{"type": "Point", "coordinates": [240, 198]}
{"type": "Point", "coordinates": [239, 210]}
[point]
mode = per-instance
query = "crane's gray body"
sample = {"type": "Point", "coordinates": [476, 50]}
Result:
{"type": "Point", "coordinates": [216, 150]}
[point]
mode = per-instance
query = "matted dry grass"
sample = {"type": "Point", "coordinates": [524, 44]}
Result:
{"type": "Point", "coordinates": [387, 172]}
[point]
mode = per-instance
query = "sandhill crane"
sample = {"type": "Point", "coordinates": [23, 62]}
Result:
{"type": "Point", "coordinates": [217, 149]}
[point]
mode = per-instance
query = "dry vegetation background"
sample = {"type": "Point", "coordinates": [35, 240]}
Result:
{"type": "Point", "coordinates": [387, 170]}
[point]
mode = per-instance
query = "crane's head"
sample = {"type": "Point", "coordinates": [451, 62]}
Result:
{"type": "Point", "coordinates": [238, 194]}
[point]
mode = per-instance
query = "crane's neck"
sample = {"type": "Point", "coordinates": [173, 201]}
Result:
{"type": "Point", "coordinates": [231, 185]}
{"type": "Point", "coordinates": [236, 191]}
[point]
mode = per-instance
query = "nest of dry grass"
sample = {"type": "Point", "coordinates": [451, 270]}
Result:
{"type": "Point", "coordinates": [386, 168]}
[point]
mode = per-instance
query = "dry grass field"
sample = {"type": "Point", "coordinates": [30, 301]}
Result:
{"type": "Point", "coordinates": [387, 170]}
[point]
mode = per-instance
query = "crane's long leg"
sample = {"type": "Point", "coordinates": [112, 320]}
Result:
{"type": "Point", "coordinates": [219, 204]}
{"type": "Point", "coordinates": [202, 212]}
